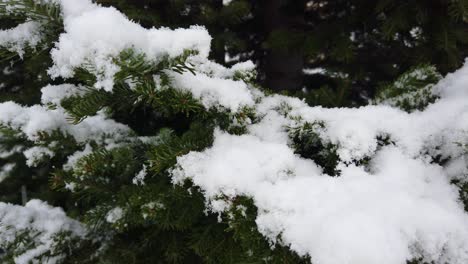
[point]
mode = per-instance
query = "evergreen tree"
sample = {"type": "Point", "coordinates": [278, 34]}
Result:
{"type": "Point", "coordinates": [160, 212]}
{"type": "Point", "coordinates": [155, 154]}
{"type": "Point", "coordinates": [338, 50]}
{"type": "Point", "coordinates": [23, 74]}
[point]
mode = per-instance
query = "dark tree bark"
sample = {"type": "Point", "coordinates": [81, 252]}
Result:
{"type": "Point", "coordinates": [283, 67]}
{"type": "Point", "coordinates": [217, 30]}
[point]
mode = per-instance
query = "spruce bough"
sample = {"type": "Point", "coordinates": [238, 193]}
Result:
{"type": "Point", "coordinates": [142, 150]}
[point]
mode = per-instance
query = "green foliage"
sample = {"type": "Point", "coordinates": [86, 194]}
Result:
{"type": "Point", "coordinates": [307, 142]}
{"type": "Point", "coordinates": [46, 13]}
{"type": "Point", "coordinates": [36, 10]}
{"type": "Point", "coordinates": [367, 41]}
{"type": "Point", "coordinates": [64, 246]}
{"type": "Point", "coordinates": [413, 90]}
{"type": "Point", "coordinates": [242, 216]}
{"type": "Point", "coordinates": [21, 80]}
{"type": "Point", "coordinates": [156, 210]}
{"type": "Point", "coordinates": [23, 242]}
{"type": "Point", "coordinates": [165, 223]}
{"type": "Point", "coordinates": [141, 83]}
{"type": "Point", "coordinates": [135, 66]}
{"type": "Point", "coordinates": [153, 209]}
{"type": "Point", "coordinates": [164, 155]}
{"type": "Point", "coordinates": [326, 96]}
{"type": "Point", "coordinates": [463, 191]}
{"type": "Point", "coordinates": [284, 40]}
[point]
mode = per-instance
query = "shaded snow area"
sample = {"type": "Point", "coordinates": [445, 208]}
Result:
{"type": "Point", "coordinates": [397, 206]}
{"type": "Point", "coordinates": [42, 222]}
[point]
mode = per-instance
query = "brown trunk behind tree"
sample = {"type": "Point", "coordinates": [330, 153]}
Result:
{"type": "Point", "coordinates": [217, 45]}
{"type": "Point", "coordinates": [283, 67]}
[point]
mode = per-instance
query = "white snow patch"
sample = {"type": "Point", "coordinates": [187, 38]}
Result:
{"type": "Point", "coordinates": [20, 37]}
{"type": "Point", "coordinates": [36, 154]}
{"type": "Point", "coordinates": [53, 94]}
{"type": "Point", "coordinates": [5, 170]}
{"type": "Point", "coordinates": [35, 119]}
{"type": "Point", "coordinates": [139, 179]}
{"type": "Point", "coordinates": [114, 215]}
{"type": "Point", "coordinates": [95, 34]}
{"type": "Point", "coordinates": [73, 159]}
{"type": "Point", "coordinates": [398, 207]}
{"type": "Point", "coordinates": [214, 91]}
{"type": "Point", "coordinates": [37, 216]}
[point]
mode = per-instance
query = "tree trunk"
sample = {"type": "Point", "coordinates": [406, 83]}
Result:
{"type": "Point", "coordinates": [283, 67]}
{"type": "Point", "coordinates": [218, 52]}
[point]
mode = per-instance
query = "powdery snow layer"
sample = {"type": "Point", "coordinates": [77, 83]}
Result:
{"type": "Point", "coordinates": [35, 154]}
{"type": "Point", "coordinates": [35, 119]}
{"type": "Point", "coordinates": [95, 34]}
{"type": "Point", "coordinates": [24, 35]}
{"type": "Point", "coordinates": [212, 91]}
{"type": "Point", "coordinates": [54, 94]}
{"type": "Point", "coordinates": [114, 215]}
{"type": "Point", "coordinates": [401, 206]}
{"type": "Point", "coordinates": [39, 217]}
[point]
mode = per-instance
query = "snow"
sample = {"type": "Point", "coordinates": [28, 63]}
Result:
{"type": "Point", "coordinates": [35, 119]}
{"type": "Point", "coordinates": [5, 170]}
{"type": "Point", "coordinates": [360, 217]}
{"type": "Point", "coordinates": [355, 130]}
{"type": "Point", "coordinates": [416, 32]}
{"type": "Point", "coordinates": [53, 94]}
{"type": "Point", "coordinates": [6, 154]}
{"type": "Point", "coordinates": [37, 216]}
{"type": "Point", "coordinates": [36, 154]}
{"type": "Point", "coordinates": [457, 169]}
{"type": "Point", "coordinates": [398, 206]}
{"type": "Point", "coordinates": [213, 69]}
{"type": "Point", "coordinates": [20, 37]}
{"type": "Point", "coordinates": [214, 91]}
{"type": "Point", "coordinates": [114, 215]}
{"type": "Point", "coordinates": [312, 71]}
{"type": "Point", "coordinates": [243, 66]}
{"type": "Point", "coordinates": [252, 162]}
{"type": "Point", "coordinates": [95, 35]}
{"type": "Point", "coordinates": [73, 159]}
{"type": "Point", "coordinates": [139, 179]}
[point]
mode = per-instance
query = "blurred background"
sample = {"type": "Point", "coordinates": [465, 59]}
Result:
{"type": "Point", "coordinates": [333, 53]}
